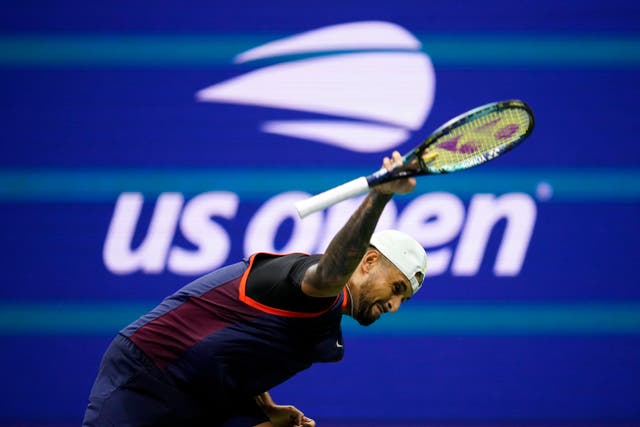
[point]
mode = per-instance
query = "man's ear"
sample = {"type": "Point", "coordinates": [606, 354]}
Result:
{"type": "Point", "coordinates": [369, 260]}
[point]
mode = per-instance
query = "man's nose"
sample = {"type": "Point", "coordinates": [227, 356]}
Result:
{"type": "Point", "coordinates": [394, 304]}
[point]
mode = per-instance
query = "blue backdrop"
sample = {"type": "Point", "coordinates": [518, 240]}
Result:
{"type": "Point", "coordinates": [120, 182]}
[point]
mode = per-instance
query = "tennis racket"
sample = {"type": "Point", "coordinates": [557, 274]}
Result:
{"type": "Point", "coordinates": [468, 140]}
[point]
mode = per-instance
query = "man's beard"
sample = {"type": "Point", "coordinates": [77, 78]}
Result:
{"type": "Point", "coordinates": [362, 312]}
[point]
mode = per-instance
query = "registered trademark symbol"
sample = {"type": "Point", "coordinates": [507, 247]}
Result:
{"type": "Point", "coordinates": [544, 191]}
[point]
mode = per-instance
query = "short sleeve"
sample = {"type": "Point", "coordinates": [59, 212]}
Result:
{"type": "Point", "coordinates": [275, 281]}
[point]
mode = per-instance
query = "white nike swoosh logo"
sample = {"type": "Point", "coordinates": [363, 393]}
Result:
{"type": "Point", "coordinates": [338, 344]}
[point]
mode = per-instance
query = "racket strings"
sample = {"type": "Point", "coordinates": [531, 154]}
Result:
{"type": "Point", "coordinates": [477, 140]}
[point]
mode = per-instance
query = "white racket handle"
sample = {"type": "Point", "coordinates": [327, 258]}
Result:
{"type": "Point", "coordinates": [331, 197]}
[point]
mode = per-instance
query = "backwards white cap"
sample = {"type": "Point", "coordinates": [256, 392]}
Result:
{"type": "Point", "coordinates": [404, 252]}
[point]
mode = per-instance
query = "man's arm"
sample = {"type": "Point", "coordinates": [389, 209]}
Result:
{"type": "Point", "coordinates": [328, 277]}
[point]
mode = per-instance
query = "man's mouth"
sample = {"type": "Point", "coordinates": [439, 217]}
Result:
{"type": "Point", "coordinates": [379, 308]}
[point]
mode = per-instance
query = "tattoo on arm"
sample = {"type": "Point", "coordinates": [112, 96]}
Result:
{"type": "Point", "coordinates": [349, 245]}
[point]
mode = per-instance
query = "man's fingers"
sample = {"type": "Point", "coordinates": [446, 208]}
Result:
{"type": "Point", "coordinates": [296, 419]}
{"type": "Point", "coordinates": [397, 158]}
{"type": "Point", "coordinates": [394, 161]}
{"type": "Point", "coordinates": [387, 164]}
{"type": "Point", "coordinates": [305, 422]}
{"type": "Point", "coordinates": [308, 422]}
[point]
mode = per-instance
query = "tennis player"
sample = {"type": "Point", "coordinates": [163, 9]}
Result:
{"type": "Point", "coordinates": [209, 354]}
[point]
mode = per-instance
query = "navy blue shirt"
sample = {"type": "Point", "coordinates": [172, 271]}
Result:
{"type": "Point", "coordinates": [241, 330]}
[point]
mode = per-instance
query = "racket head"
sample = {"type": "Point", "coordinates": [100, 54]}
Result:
{"type": "Point", "coordinates": [474, 137]}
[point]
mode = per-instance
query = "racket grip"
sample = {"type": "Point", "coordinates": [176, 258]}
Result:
{"type": "Point", "coordinates": [331, 197]}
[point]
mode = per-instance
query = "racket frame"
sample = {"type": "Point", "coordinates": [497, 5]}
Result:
{"type": "Point", "coordinates": [382, 175]}
{"type": "Point", "coordinates": [363, 184]}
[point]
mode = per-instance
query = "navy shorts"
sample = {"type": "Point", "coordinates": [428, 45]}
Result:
{"type": "Point", "coordinates": [131, 391]}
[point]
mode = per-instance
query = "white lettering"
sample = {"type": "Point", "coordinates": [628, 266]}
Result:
{"type": "Point", "coordinates": [212, 241]}
{"type": "Point", "coordinates": [485, 211]}
{"type": "Point", "coordinates": [262, 229]}
{"type": "Point", "coordinates": [434, 219]}
{"type": "Point", "coordinates": [150, 256]}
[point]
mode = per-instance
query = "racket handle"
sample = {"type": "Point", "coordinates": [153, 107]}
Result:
{"type": "Point", "coordinates": [331, 197]}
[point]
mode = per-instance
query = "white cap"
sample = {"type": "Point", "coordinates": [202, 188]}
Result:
{"type": "Point", "coordinates": [403, 252]}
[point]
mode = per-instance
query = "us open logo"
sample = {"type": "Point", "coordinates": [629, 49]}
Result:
{"type": "Point", "coordinates": [368, 86]}
{"type": "Point", "coordinates": [369, 82]}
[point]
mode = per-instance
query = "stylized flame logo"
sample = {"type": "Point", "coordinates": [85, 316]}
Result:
{"type": "Point", "coordinates": [375, 95]}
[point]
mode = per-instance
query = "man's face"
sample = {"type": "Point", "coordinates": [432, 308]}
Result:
{"type": "Point", "coordinates": [382, 290]}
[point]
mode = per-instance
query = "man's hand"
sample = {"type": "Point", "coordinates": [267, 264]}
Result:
{"type": "Point", "coordinates": [281, 415]}
{"type": "Point", "coordinates": [400, 186]}
{"type": "Point", "coordinates": [288, 416]}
